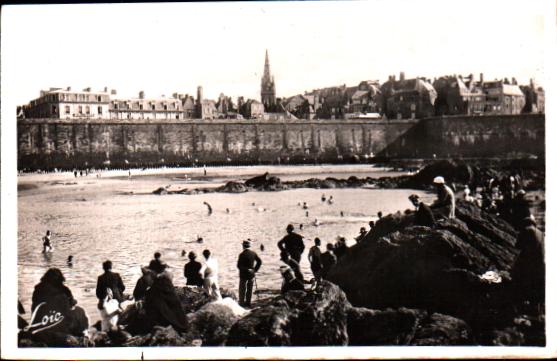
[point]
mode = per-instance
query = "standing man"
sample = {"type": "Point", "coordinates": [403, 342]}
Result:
{"type": "Point", "coordinates": [112, 281]}
{"type": "Point", "coordinates": [328, 259]}
{"type": "Point", "coordinates": [210, 273]}
{"type": "Point", "coordinates": [156, 265]}
{"type": "Point", "coordinates": [314, 258]}
{"type": "Point", "coordinates": [248, 264]}
{"type": "Point", "coordinates": [292, 243]}
{"type": "Point", "coordinates": [445, 197]}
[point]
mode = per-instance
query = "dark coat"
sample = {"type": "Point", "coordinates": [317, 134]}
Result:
{"type": "Point", "coordinates": [528, 272]}
{"type": "Point", "coordinates": [113, 281]}
{"type": "Point", "coordinates": [163, 307]}
{"type": "Point", "coordinates": [424, 216]}
{"type": "Point", "coordinates": [328, 260]}
{"type": "Point", "coordinates": [191, 272]}
{"type": "Point", "coordinates": [248, 264]}
{"type": "Point", "coordinates": [292, 243]}
{"type": "Point", "coordinates": [142, 286]}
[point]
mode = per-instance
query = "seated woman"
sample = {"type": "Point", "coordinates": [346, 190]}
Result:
{"type": "Point", "coordinates": [53, 299]}
{"type": "Point", "coordinates": [162, 307]}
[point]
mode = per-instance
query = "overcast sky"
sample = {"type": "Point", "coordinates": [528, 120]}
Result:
{"type": "Point", "coordinates": [163, 48]}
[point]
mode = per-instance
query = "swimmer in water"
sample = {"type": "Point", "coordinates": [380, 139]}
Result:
{"type": "Point", "coordinates": [316, 222]}
{"type": "Point", "coordinates": [305, 206]}
{"type": "Point", "coordinates": [330, 201]}
{"type": "Point", "coordinates": [209, 208]}
{"type": "Point", "coordinates": [262, 247]}
{"type": "Point", "coordinates": [70, 261]}
{"type": "Point", "coordinates": [323, 198]}
{"type": "Point", "coordinates": [183, 252]}
{"type": "Point", "coordinates": [307, 214]}
{"type": "Point", "coordinates": [341, 213]}
{"type": "Point", "coordinates": [47, 246]}
{"type": "Point", "coordinates": [199, 239]}
{"type": "Point", "coordinates": [301, 226]}
{"type": "Point", "coordinates": [227, 210]}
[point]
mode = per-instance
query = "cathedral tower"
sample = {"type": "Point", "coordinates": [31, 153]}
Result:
{"type": "Point", "coordinates": [268, 94]}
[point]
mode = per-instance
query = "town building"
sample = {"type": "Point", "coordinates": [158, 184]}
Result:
{"type": "Point", "coordinates": [268, 92]}
{"type": "Point", "coordinates": [367, 98]}
{"type": "Point", "coordinates": [459, 95]}
{"type": "Point", "coordinates": [534, 98]}
{"type": "Point", "coordinates": [408, 98]}
{"type": "Point", "coordinates": [503, 97]}
{"type": "Point", "coordinates": [147, 108]}
{"type": "Point", "coordinates": [69, 104]}
{"type": "Point", "coordinates": [251, 109]}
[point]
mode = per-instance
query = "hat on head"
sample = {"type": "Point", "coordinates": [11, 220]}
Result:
{"type": "Point", "coordinates": [439, 180]}
{"type": "Point", "coordinates": [521, 192]}
{"type": "Point", "coordinates": [246, 242]}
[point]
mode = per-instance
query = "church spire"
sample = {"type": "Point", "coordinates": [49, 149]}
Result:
{"type": "Point", "coordinates": [268, 97]}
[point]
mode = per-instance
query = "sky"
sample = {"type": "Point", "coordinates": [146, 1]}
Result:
{"type": "Point", "coordinates": [167, 48]}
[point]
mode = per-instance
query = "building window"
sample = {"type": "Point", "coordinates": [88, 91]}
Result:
{"type": "Point", "coordinates": [165, 107]}
{"type": "Point", "coordinates": [87, 110]}
{"type": "Point", "coordinates": [116, 106]}
{"type": "Point", "coordinates": [80, 109]}
{"type": "Point", "coordinates": [54, 109]}
{"type": "Point", "coordinates": [153, 107]}
{"type": "Point", "coordinates": [67, 109]}
{"type": "Point", "coordinates": [99, 98]}
{"type": "Point", "coordinates": [100, 110]}
{"type": "Point", "coordinates": [140, 106]}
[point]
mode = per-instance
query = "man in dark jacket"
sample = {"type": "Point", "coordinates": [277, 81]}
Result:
{"type": "Point", "coordinates": [192, 271]}
{"type": "Point", "coordinates": [156, 264]}
{"type": "Point", "coordinates": [528, 272]}
{"type": "Point", "coordinates": [424, 216]}
{"type": "Point", "coordinates": [110, 280]}
{"type": "Point", "coordinates": [328, 260]}
{"type": "Point", "coordinates": [248, 264]}
{"type": "Point", "coordinates": [292, 243]}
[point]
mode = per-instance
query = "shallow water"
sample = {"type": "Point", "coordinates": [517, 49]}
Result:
{"type": "Point", "coordinates": [95, 220]}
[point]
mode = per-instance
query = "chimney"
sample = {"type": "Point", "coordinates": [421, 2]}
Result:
{"type": "Point", "coordinates": [142, 95]}
{"type": "Point", "coordinates": [514, 81]}
{"type": "Point", "coordinates": [113, 92]}
{"type": "Point", "coordinates": [69, 88]}
{"type": "Point", "coordinates": [88, 89]}
{"type": "Point", "coordinates": [481, 78]}
{"type": "Point", "coordinates": [532, 83]}
{"type": "Point", "coordinates": [506, 81]}
{"type": "Point", "coordinates": [175, 95]}
{"type": "Point", "coordinates": [199, 94]}
{"type": "Point", "coordinates": [402, 77]}
{"type": "Point", "coordinates": [106, 89]}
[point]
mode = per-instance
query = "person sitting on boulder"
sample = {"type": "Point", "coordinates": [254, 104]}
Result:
{"type": "Point", "coordinates": [424, 216]}
{"type": "Point", "coordinates": [292, 243]}
{"type": "Point", "coordinates": [143, 283]}
{"type": "Point", "coordinates": [361, 236]}
{"type": "Point", "coordinates": [528, 271]}
{"type": "Point", "coordinates": [156, 265]}
{"type": "Point", "coordinates": [445, 197]}
{"type": "Point", "coordinates": [53, 301]}
{"type": "Point", "coordinates": [289, 281]}
{"type": "Point", "coordinates": [328, 260]}
{"type": "Point", "coordinates": [293, 264]}
{"type": "Point", "coordinates": [192, 271]}
{"type": "Point", "coordinates": [340, 247]}
{"type": "Point", "coordinates": [162, 307]}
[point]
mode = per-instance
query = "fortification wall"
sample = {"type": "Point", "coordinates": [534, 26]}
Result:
{"type": "Point", "coordinates": [49, 143]}
{"type": "Point", "coordinates": [505, 136]}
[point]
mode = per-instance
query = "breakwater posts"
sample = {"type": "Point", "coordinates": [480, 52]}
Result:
{"type": "Point", "coordinates": [64, 144]}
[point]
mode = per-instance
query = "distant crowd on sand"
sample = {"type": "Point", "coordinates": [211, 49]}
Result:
{"type": "Point", "coordinates": [154, 300]}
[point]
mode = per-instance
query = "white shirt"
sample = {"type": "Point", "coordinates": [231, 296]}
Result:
{"type": "Point", "coordinates": [210, 268]}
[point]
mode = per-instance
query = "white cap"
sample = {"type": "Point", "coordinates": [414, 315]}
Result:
{"type": "Point", "coordinates": [439, 180]}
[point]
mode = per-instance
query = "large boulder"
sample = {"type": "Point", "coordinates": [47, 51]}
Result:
{"type": "Point", "coordinates": [265, 326]}
{"type": "Point", "coordinates": [452, 171]}
{"type": "Point", "coordinates": [257, 181]}
{"type": "Point", "coordinates": [193, 298]}
{"type": "Point", "coordinates": [212, 322]}
{"type": "Point", "coordinates": [298, 318]}
{"type": "Point", "coordinates": [401, 265]}
{"type": "Point", "coordinates": [233, 187]}
{"type": "Point", "coordinates": [404, 327]}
